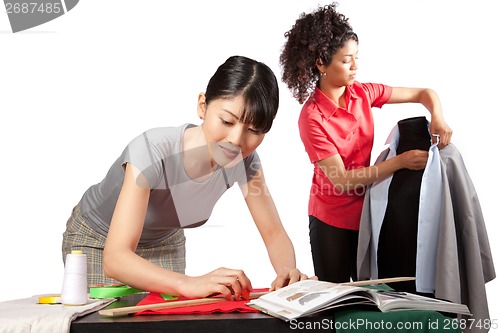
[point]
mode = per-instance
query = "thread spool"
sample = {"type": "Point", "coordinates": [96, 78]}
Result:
{"type": "Point", "coordinates": [74, 289]}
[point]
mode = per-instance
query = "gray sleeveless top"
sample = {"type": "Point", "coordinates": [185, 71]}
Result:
{"type": "Point", "coordinates": [175, 200]}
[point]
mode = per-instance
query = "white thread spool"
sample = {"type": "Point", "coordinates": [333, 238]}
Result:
{"type": "Point", "coordinates": [74, 289]}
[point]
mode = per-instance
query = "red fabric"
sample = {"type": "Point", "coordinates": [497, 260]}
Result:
{"type": "Point", "coordinates": [221, 307]}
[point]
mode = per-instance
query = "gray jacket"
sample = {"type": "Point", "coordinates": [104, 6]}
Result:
{"type": "Point", "coordinates": [464, 260]}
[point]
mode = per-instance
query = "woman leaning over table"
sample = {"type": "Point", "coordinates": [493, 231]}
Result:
{"type": "Point", "coordinates": [130, 225]}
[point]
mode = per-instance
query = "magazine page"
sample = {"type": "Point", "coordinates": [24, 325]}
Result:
{"type": "Point", "coordinates": [309, 296]}
{"type": "Point", "coordinates": [394, 301]}
{"type": "Point", "coordinates": [289, 314]}
{"type": "Point", "coordinates": [274, 310]}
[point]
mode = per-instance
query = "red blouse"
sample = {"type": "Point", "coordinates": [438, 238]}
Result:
{"type": "Point", "coordinates": [327, 130]}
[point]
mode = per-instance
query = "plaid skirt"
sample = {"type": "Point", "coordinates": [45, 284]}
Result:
{"type": "Point", "coordinates": [170, 253]}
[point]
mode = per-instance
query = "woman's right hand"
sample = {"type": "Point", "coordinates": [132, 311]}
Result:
{"type": "Point", "coordinates": [414, 159]}
{"type": "Point", "coordinates": [222, 281]}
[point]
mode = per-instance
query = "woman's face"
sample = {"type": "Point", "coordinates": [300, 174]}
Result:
{"type": "Point", "coordinates": [229, 139]}
{"type": "Point", "coordinates": [342, 69]}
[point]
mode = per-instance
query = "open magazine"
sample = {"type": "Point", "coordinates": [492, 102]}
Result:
{"type": "Point", "coordinates": [310, 296]}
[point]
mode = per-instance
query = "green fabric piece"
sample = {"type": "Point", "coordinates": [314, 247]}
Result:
{"type": "Point", "coordinates": [168, 297]}
{"type": "Point", "coordinates": [381, 286]}
{"type": "Point", "coordinates": [374, 321]}
{"type": "Point", "coordinates": [112, 291]}
{"type": "Point", "coordinates": [119, 291]}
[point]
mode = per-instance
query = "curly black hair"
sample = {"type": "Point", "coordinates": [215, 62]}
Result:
{"type": "Point", "coordinates": [314, 36]}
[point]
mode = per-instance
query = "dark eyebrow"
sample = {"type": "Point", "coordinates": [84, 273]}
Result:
{"type": "Point", "coordinates": [232, 114]}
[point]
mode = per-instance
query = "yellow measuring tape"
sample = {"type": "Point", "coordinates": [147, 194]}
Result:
{"type": "Point", "coordinates": [49, 299]}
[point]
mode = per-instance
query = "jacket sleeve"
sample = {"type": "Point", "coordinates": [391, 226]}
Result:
{"type": "Point", "coordinates": [367, 252]}
{"type": "Point", "coordinates": [464, 260]}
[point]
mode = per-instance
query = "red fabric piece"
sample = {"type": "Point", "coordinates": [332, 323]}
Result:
{"type": "Point", "coordinates": [220, 307]}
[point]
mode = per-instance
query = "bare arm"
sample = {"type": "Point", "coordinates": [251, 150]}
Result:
{"type": "Point", "coordinates": [430, 100]}
{"type": "Point", "coordinates": [347, 180]}
{"type": "Point", "coordinates": [278, 244]}
{"type": "Point", "coordinates": [344, 180]}
{"type": "Point", "coordinates": [122, 263]}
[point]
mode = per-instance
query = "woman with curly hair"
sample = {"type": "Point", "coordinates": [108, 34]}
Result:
{"type": "Point", "coordinates": [319, 63]}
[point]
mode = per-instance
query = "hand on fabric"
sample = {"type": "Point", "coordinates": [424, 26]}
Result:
{"type": "Point", "coordinates": [414, 159]}
{"type": "Point", "coordinates": [290, 277]}
{"type": "Point", "coordinates": [222, 281]}
{"type": "Point", "coordinates": [445, 132]}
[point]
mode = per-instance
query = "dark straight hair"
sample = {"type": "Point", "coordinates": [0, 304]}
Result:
{"type": "Point", "coordinates": [255, 81]}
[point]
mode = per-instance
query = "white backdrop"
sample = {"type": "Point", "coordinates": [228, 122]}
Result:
{"type": "Point", "coordinates": [75, 90]}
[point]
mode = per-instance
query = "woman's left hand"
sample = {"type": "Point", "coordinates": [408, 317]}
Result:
{"type": "Point", "coordinates": [292, 276]}
{"type": "Point", "coordinates": [445, 132]}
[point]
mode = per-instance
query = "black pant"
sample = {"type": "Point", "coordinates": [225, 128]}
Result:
{"type": "Point", "coordinates": [334, 251]}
